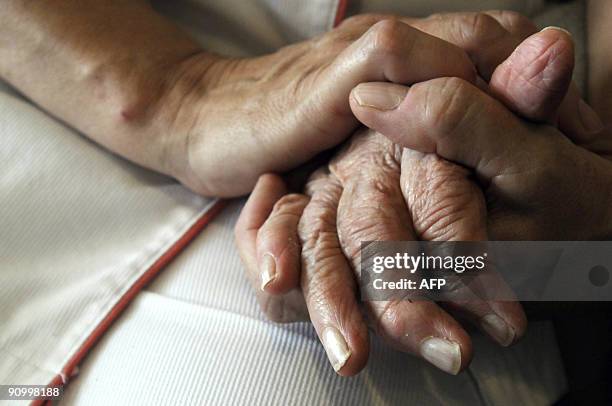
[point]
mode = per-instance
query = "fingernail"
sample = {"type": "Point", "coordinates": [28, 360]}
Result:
{"type": "Point", "coordinates": [442, 353]}
{"type": "Point", "coordinates": [590, 119]}
{"type": "Point", "coordinates": [553, 27]}
{"type": "Point", "coordinates": [268, 267]}
{"type": "Point", "coordinates": [497, 328]}
{"type": "Point", "coordinates": [379, 96]}
{"type": "Point", "coordinates": [336, 348]}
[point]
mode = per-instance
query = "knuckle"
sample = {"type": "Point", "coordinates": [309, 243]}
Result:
{"type": "Point", "coordinates": [482, 24]}
{"type": "Point", "coordinates": [367, 153]}
{"type": "Point", "coordinates": [386, 38]}
{"type": "Point", "coordinates": [377, 183]}
{"type": "Point", "coordinates": [479, 28]}
{"type": "Point", "coordinates": [321, 252]}
{"type": "Point", "coordinates": [355, 230]}
{"type": "Point", "coordinates": [380, 219]}
{"type": "Point", "coordinates": [448, 216]}
{"type": "Point", "coordinates": [317, 239]}
{"type": "Point", "coordinates": [325, 285]}
{"type": "Point", "coordinates": [317, 228]}
{"type": "Point", "coordinates": [443, 198]}
{"type": "Point", "coordinates": [447, 104]}
{"type": "Point", "coordinates": [390, 321]}
{"type": "Point", "coordinates": [292, 203]}
{"type": "Point", "coordinates": [385, 183]}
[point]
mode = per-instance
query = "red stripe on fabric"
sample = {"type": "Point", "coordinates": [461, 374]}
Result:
{"type": "Point", "coordinates": [340, 12]}
{"type": "Point", "coordinates": [121, 305]}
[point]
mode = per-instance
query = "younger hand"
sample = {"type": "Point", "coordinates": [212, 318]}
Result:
{"type": "Point", "coordinates": [235, 119]}
{"type": "Point", "coordinates": [232, 120]}
{"type": "Point", "coordinates": [362, 197]}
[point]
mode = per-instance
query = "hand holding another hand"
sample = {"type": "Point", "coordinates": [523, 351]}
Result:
{"type": "Point", "coordinates": [274, 112]}
{"type": "Point", "coordinates": [360, 198]}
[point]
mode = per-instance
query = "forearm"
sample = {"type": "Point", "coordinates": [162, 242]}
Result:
{"type": "Point", "coordinates": [100, 66]}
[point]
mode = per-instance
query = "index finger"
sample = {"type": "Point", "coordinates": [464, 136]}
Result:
{"type": "Point", "coordinates": [390, 51]}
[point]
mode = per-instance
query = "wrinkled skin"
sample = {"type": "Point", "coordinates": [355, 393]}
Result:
{"type": "Point", "coordinates": [282, 109]}
{"type": "Point", "coordinates": [365, 196]}
{"type": "Point", "coordinates": [538, 184]}
{"type": "Point", "coordinates": [369, 195]}
{"type": "Point", "coordinates": [360, 197]}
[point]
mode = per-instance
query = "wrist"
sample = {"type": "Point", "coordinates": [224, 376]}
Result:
{"type": "Point", "coordinates": [174, 117]}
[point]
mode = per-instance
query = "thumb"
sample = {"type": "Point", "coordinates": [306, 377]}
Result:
{"type": "Point", "coordinates": [446, 116]}
{"type": "Point", "coordinates": [535, 82]}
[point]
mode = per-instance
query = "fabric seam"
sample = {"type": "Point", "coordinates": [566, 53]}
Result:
{"type": "Point", "coordinates": [115, 307]}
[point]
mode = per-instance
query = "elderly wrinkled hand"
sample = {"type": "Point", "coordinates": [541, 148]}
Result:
{"type": "Point", "coordinates": [362, 197]}
{"type": "Point", "coordinates": [538, 184]}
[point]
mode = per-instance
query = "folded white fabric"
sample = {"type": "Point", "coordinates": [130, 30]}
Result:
{"type": "Point", "coordinates": [79, 227]}
{"type": "Point", "coordinates": [196, 336]}
{"type": "Point", "coordinates": [81, 230]}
